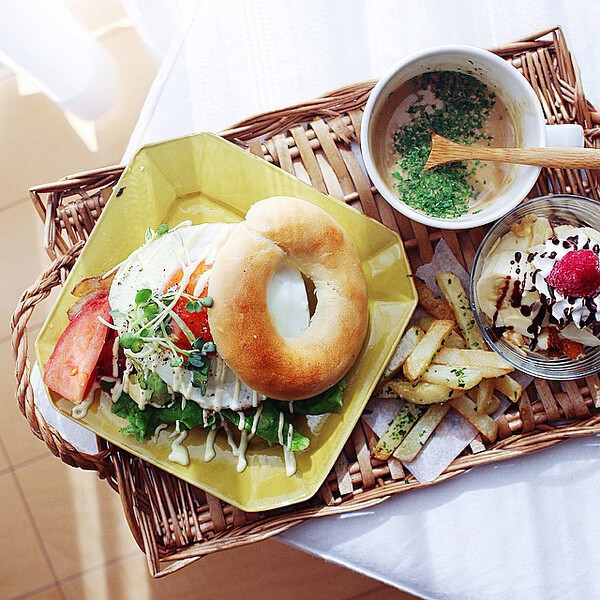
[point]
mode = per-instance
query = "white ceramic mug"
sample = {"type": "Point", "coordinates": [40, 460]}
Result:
{"type": "Point", "coordinates": [513, 90]}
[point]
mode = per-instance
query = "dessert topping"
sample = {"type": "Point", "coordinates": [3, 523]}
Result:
{"type": "Point", "coordinates": [576, 274]}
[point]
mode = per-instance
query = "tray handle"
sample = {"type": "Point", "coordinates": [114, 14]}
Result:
{"type": "Point", "coordinates": [51, 277]}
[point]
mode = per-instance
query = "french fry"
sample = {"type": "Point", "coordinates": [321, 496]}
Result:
{"type": "Point", "coordinates": [424, 393]}
{"type": "Point", "coordinates": [435, 305]}
{"type": "Point", "coordinates": [423, 353]}
{"type": "Point", "coordinates": [509, 387]}
{"type": "Point", "coordinates": [421, 432]}
{"type": "Point", "coordinates": [402, 423]}
{"type": "Point", "coordinates": [454, 340]}
{"type": "Point", "coordinates": [458, 378]}
{"type": "Point", "coordinates": [482, 422]}
{"type": "Point", "coordinates": [484, 393]}
{"type": "Point", "coordinates": [491, 372]}
{"type": "Point", "coordinates": [476, 359]}
{"type": "Point", "coordinates": [493, 405]}
{"type": "Point", "coordinates": [457, 298]}
{"type": "Point", "coordinates": [407, 344]}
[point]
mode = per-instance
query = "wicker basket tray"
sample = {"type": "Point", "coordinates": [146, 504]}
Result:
{"type": "Point", "coordinates": [175, 523]}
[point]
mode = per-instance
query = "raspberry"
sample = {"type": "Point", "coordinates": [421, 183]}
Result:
{"type": "Point", "coordinates": [576, 274]}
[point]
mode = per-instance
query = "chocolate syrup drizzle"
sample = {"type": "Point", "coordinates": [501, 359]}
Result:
{"type": "Point", "coordinates": [548, 300]}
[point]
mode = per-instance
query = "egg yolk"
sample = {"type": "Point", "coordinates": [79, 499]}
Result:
{"type": "Point", "coordinates": [196, 321]}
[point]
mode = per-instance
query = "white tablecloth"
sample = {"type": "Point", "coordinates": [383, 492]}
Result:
{"type": "Point", "coordinates": [524, 529]}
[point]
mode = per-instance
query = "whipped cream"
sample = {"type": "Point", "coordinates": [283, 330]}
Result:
{"type": "Point", "coordinates": [514, 293]}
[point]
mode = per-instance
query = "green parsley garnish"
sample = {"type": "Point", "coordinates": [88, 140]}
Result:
{"type": "Point", "coordinates": [463, 103]}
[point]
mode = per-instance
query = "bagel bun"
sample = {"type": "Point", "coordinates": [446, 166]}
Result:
{"type": "Point", "coordinates": [279, 232]}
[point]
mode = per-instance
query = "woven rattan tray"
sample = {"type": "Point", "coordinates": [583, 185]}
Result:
{"type": "Point", "coordinates": [175, 523]}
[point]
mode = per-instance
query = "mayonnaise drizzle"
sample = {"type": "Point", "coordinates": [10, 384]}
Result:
{"type": "Point", "coordinates": [126, 373]}
{"type": "Point", "coordinates": [115, 357]}
{"type": "Point", "coordinates": [230, 440]}
{"type": "Point", "coordinates": [280, 428]}
{"type": "Point", "coordinates": [79, 411]}
{"type": "Point", "coordinates": [255, 419]}
{"type": "Point", "coordinates": [115, 392]}
{"type": "Point", "coordinates": [242, 463]}
{"type": "Point", "coordinates": [242, 423]}
{"type": "Point", "coordinates": [288, 456]}
{"type": "Point", "coordinates": [157, 431]}
{"type": "Point", "coordinates": [179, 453]}
{"type": "Point", "coordinates": [209, 448]}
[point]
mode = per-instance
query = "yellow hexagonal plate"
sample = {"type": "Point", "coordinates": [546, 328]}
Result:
{"type": "Point", "coordinates": [207, 179]}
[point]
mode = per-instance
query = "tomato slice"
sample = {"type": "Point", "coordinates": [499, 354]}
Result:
{"type": "Point", "coordinates": [71, 365]}
{"type": "Point", "coordinates": [196, 321]}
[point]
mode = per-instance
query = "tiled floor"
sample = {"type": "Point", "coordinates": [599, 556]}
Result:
{"type": "Point", "coordinates": [61, 528]}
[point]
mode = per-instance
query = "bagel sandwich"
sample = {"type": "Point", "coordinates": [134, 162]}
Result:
{"type": "Point", "coordinates": [210, 325]}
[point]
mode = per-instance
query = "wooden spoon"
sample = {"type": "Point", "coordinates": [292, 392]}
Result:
{"type": "Point", "coordinates": [444, 151]}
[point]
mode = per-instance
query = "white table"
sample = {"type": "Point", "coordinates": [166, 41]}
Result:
{"type": "Point", "coordinates": [525, 528]}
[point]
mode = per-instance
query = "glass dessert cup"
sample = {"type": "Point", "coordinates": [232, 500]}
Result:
{"type": "Point", "coordinates": [560, 209]}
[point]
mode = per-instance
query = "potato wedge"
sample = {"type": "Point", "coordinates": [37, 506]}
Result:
{"type": "Point", "coordinates": [484, 393]}
{"type": "Point", "coordinates": [454, 340]}
{"type": "Point", "coordinates": [411, 445]}
{"type": "Point", "coordinates": [490, 372]}
{"type": "Point", "coordinates": [423, 393]}
{"type": "Point", "coordinates": [493, 405]}
{"type": "Point", "coordinates": [435, 305]}
{"type": "Point", "coordinates": [475, 359]}
{"type": "Point", "coordinates": [482, 422]}
{"type": "Point", "coordinates": [423, 353]}
{"type": "Point", "coordinates": [458, 378]}
{"type": "Point", "coordinates": [457, 298]}
{"type": "Point", "coordinates": [509, 387]}
{"type": "Point", "coordinates": [401, 424]}
{"type": "Point", "coordinates": [407, 344]}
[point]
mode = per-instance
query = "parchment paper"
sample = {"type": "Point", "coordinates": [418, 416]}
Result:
{"type": "Point", "coordinates": [454, 433]}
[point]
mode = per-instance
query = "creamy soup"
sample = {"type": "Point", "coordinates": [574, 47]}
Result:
{"type": "Point", "coordinates": [459, 107]}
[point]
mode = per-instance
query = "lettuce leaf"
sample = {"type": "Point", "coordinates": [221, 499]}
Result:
{"type": "Point", "coordinates": [143, 423]}
{"type": "Point", "coordinates": [140, 421]}
{"type": "Point", "coordinates": [329, 401]}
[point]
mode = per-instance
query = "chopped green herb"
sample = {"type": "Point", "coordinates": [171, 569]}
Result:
{"type": "Point", "coordinates": [463, 103]}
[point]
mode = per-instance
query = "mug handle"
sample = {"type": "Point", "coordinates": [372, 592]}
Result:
{"type": "Point", "coordinates": [566, 134]}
